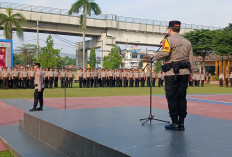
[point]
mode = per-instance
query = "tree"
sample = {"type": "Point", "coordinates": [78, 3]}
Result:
{"type": "Point", "coordinates": [113, 59]}
{"type": "Point", "coordinates": [223, 42]}
{"type": "Point", "coordinates": [27, 54]}
{"type": "Point", "coordinates": [49, 57]}
{"type": "Point", "coordinates": [158, 66]}
{"type": "Point", "coordinates": [92, 59]}
{"type": "Point", "coordinates": [9, 20]}
{"type": "Point", "coordinates": [202, 43]}
{"type": "Point", "coordinates": [87, 7]}
{"type": "Point", "coordinates": [68, 61]}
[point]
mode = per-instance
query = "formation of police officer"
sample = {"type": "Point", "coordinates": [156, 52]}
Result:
{"type": "Point", "coordinates": [178, 56]}
{"type": "Point", "coordinates": [15, 78]}
{"type": "Point", "coordinates": [116, 78]}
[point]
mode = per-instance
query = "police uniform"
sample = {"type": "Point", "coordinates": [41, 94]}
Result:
{"type": "Point", "coordinates": [202, 79]}
{"type": "Point", "coordinates": [95, 77]}
{"type": "Point", "coordinates": [148, 78]}
{"type": "Point", "coordinates": [142, 78]}
{"type": "Point", "coordinates": [198, 78]}
{"type": "Point", "coordinates": [103, 78]}
{"type": "Point", "coordinates": [178, 55]}
{"type": "Point", "coordinates": [124, 75]}
{"type": "Point", "coordinates": [70, 79]}
{"type": "Point", "coordinates": [131, 76]}
{"type": "Point", "coordinates": [24, 76]}
{"type": "Point", "coordinates": [5, 78]}
{"type": "Point", "coordinates": [63, 78]}
{"type": "Point", "coordinates": [159, 79]}
{"type": "Point", "coordinates": [231, 79]}
{"type": "Point", "coordinates": [88, 76]}
{"type": "Point", "coordinates": [227, 79]}
{"type": "Point", "coordinates": [84, 78]}
{"type": "Point", "coordinates": [56, 74]}
{"type": "Point", "coordinates": [110, 77]}
{"type": "Point", "coordinates": [221, 79]}
{"type": "Point", "coordinates": [39, 89]}
{"type": "Point", "coordinates": [51, 78]}
{"type": "Point", "coordinates": [153, 78]}
{"type": "Point", "coordinates": [32, 78]}
{"type": "Point", "coordinates": [80, 75]}
{"type": "Point", "coordinates": [136, 78]}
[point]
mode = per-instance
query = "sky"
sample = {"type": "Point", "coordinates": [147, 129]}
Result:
{"type": "Point", "coordinates": [215, 13]}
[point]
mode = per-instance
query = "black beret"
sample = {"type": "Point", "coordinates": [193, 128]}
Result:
{"type": "Point", "coordinates": [37, 64]}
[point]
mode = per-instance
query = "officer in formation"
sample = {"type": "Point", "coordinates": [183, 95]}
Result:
{"type": "Point", "coordinates": [116, 78]}
{"type": "Point", "coordinates": [221, 79]}
{"type": "Point", "coordinates": [178, 55]}
{"type": "Point", "coordinates": [24, 78]}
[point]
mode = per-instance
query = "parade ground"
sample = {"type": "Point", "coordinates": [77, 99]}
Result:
{"type": "Point", "coordinates": [108, 120]}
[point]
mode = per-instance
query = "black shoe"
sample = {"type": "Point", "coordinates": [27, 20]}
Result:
{"type": "Point", "coordinates": [33, 109]}
{"type": "Point", "coordinates": [39, 109]}
{"type": "Point", "coordinates": [181, 127]}
{"type": "Point", "coordinates": [172, 126]}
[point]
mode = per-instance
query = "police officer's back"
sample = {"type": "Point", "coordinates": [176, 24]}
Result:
{"type": "Point", "coordinates": [178, 55]}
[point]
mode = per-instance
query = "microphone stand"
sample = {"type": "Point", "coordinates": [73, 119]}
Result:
{"type": "Point", "coordinates": [152, 117]}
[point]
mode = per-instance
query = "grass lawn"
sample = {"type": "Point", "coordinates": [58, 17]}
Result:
{"type": "Point", "coordinates": [92, 92]}
{"type": "Point", "coordinates": [6, 154]}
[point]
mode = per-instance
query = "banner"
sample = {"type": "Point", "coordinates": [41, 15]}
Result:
{"type": "Point", "coordinates": [2, 57]}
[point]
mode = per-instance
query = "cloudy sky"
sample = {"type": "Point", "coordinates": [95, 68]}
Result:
{"type": "Point", "coordinates": [215, 13]}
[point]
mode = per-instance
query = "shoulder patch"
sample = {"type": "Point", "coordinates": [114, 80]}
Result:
{"type": "Point", "coordinates": [165, 46]}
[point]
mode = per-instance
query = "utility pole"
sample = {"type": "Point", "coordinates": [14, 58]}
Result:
{"type": "Point", "coordinates": [37, 55]}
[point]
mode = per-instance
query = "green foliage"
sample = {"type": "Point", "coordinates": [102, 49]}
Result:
{"type": "Point", "coordinates": [158, 66]}
{"type": "Point", "coordinates": [9, 20]}
{"type": "Point", "coordinates": [26, 56]}
{"type": "Point", "coordinates": [92, 59]}
{"type": "Point", "coordinates": [87, 7]}
{"type": "Point", "coordinates": [223, 41]}
{"type": "Point", "coordinates": [6, 154]}
{"type": "Point", "coordinates": [68, 61]}
{"type": "Point", "coordinates": [202, 43]}
{"type": "Point", "coordinates": [49, 57]}
{"type": "Point", "coordinates": [113, 59]}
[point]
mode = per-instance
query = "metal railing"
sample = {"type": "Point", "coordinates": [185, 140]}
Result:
{"type": "Point", "coordinates": [64, 12]}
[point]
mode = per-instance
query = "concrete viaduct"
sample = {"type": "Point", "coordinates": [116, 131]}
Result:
{"type": "Point", "coordinates": [105, 30]}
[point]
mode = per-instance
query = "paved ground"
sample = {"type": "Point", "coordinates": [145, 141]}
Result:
{"type": "Point", "coordinates": [215, 106]}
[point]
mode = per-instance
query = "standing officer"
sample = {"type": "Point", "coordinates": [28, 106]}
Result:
{"type": "Point", "coordinates": [142, 78]}
{"type": "Point", "coordinates": [51, 78]}
{"type": "Point", "coordinates": [70, 78]}
{"type": "Point", "coordinates": [124, 75]}
{"type": "Point", "coordinates": [25, 75]}
{"type": "Point", "coordinates": [95, 77]}
{"type": "Point", "coordinates": [110, 77]}
{"type": "Point", "coordinates": [178, 55]}
{"type": "Point", "coordinates": [159, 78]}
{"type": "Point", "coordinates": [231, 79]}
{"type": "Point", "coordinates": [131, 76]}
{"type": "Point", "coordinates": [153, 78]}
{"type": "Point", "coordinates": [5, 78]}
{"type": "Point", "coordinates": [202, 77]}
{"type": "Point", "coordinates": [88, 77]}
{"type": "Point", "coordinates": [63, 77]}
{"type": "Point", "coordinates": [221, 79]}
{"type": "Point", "coordinates": [136, 78]}
{"type": "Point", "coordinates": [39, 88]}
{"type": "Point", "coordinates": [32, 78]}
{"type": "Point", "coordinates": [80, 76]}
{"type": "Point", "coordinates": [117, 78]}
{"type": "Point", "coordinates": [103, 77]}
{"type": "Point", "coordinates": [148, 77]}
{"type": "Point", "coordinates": [227, 79]}
{"type": "Point", "coordinates": [16, 78]}
{"type": "Point", "coordinates": [56, 74]}
{"type": "Point", "coordinates": [99, 78]}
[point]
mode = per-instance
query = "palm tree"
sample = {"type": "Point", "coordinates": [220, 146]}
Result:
{"type": "Point", "coordinates": [87, 7]}
{"type": "Point", "coordinates": [9, 20]}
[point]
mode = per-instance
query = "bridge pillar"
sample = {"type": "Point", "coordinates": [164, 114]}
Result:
{"type": "Point", "coordinates": [79, 57]}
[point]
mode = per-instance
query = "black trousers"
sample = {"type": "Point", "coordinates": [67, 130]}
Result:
{"type": "Point", "coordinates": [131, 82]}
{"type": "Point", "coordinates": [56, 82]}
{"type": "Point", "coordinates": [95, 81]}
{"type": "Point", "coordinates": [100, 82]}
{"type": "Point", "coordinates": [80, 82]}
{"type": "Point", "coordinates": [111, 81]}
{"type": "Point", "coordinates": [227, 82]}
{"type": "Point", "coordinates": [24, 83]}
{"type": "Point", "coordinates": [16, 84]}
{"type": "Point", "coordinates": [175, 88]}
{"type": "Point", "coordinates": [5, 83]}
{"type": "Point", "coordinates": [231, 82]}
{"type": "Point", "coordinates": [46, 82]}
{"type": "Point", "coordinates": [202, 83]}
{"type": "Point", "coordinates": [195, 82]}
{"type": "Point", "coordinates": [124, 81]}
{"type": "Point", "coordinates": [148, 81]}
{"type": "Point", "coordinates": [38, 97]}
{"type": "Point", "coordinates": [221, 82]}
{"type": "Point", "coordinates": [142, 82]}
{"type": "Point", "coordinates": [103, 81]}
{"type": "Point", "coordinates": [70, 82]}
{"type": "Point", "coordinates": [1, 83]}
{"type": "Point", "coordinates": [153, 82]}
{"type": "Point", "coordinates": [136, 82]}
{"type": "Point", "coordinates": [92, 81]}
{"type": "Point", "coordinates": [32, 82]}
{"type": "Point", "coordinates": [159, 82]}
{"type": "Point", "coordinates": [117, 81]}
{"type": "Point", "coordinates": [88, 82]}
{"type": "Point", "coordinates": [62, 81]}
{"type": "Point", "coordinates": [51, 82]}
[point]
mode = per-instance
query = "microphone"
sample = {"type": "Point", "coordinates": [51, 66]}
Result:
{"type": "Point", "coordinates": [164, 38]}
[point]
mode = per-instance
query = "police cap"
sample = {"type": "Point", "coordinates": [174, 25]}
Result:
{"type": "Point", "coordinates": [38, 64]}
{"type": "Point", "coordinates": [176, 24]}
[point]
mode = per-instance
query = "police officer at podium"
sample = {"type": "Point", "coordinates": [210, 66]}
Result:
{"type": "Point", "coordinates": [39, 88]}
{"type": "Point", "coordinates": [178, 55]}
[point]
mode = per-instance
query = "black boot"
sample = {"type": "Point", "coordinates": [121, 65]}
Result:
{"type": "Point", "coordinates": [39, 109]}
{"type": "Point", "coordinates": [173, 126]}
{"type": "Point", "coordinates": [181, 124]}
{"type": "Point", "coordinates": [33, 109]}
